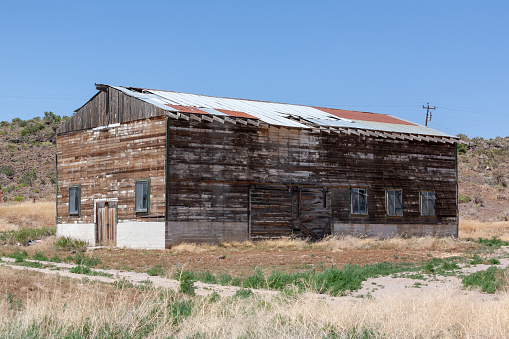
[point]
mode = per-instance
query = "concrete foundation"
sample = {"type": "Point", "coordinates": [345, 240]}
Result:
{"type": "Point", "coordinates": [389, 230]}
{"type": "Point", "coordinates": [141, 235]}
{"type": "Point", "coordinates": [77, 231]}
{"type": "Point", "coordinates": [205, 232]}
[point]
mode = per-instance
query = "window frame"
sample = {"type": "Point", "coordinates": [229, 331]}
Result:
{"type": "Point", "coordinates": [358, 213]}
{"type": "Point", "coordinates": [147, 210]}
{"type": "Point", "coordinates": [421, 201]}
{"type": "Point", "coordinates": [77, 212]}
{"type": "Point", "coordinates": [387, 212]}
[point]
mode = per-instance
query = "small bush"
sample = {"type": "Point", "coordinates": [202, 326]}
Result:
{"type": "Point", "coordinates": [18, 198]}
{"type": "Point", "coordinates": [463, 199]}
{"type": "Point", "coordinates": [187, 279]}
{"type": "Point", "coordinates": [68, 244]}
{"type": "Point", "coordinates": [7, 170]}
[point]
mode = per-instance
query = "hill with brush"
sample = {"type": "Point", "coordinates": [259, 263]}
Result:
{"type": "Point", "coordinates": [27, 166]}
{"type": "Point", "coordinates": [27, 158]}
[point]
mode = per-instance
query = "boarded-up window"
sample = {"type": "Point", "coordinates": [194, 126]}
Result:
{"type": "Point", "coordinates": [74, 200]}
{"type": "Point", "coordinates": [359, 201]}
{"type": "Point", "coordinates": [142, 196]}
{"type": "Point", "coordinates": [427, 203]}
{"type": "Point", "coordinates": [394, 203]}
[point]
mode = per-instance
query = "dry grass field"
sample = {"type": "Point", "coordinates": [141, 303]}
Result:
{"type": "Point", "coordinates": [27, 214]}
{"type": "Point", "coordinates": [36, 305]}
{"type": "Point", "coordinates": [33, 304]}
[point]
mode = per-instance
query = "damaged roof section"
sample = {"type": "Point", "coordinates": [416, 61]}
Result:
{"type": "Point", "coordinates": [201, 107]}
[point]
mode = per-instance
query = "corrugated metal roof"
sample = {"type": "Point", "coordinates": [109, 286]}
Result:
{"type": "Point", "coordinates": [279, 114]}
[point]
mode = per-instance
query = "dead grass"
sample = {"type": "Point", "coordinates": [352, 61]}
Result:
{"type": "Point", "coordinates": [54, 307]}
{"type": "Point", "coordinates": [476, 229]}
{"type": "Point", "coordinates": [331, 243]}
{"type": "Point", "coordinates": [27, 214]}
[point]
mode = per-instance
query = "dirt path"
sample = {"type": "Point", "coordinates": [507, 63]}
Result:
{"type": "Point", "coordinates": [373, 287]}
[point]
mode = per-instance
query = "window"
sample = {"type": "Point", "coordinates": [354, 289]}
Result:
{"type": "Point", "coordinates": [142, 196]}
{"type": "Point", "coordinates": [394, 206]}
{"type": "Point", "coordinates": [427, 203]}
{"type": "Point", "coordinates": [74, 200]}
{"type": "Point", "coordinates": [359, 201]}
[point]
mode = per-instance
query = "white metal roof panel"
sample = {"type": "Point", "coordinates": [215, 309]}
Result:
{"type": "Point", "coordinates": [280, 114]}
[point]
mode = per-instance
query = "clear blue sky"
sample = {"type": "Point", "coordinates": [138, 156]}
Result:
{"type": "Point", "coordinates": [377, 56]}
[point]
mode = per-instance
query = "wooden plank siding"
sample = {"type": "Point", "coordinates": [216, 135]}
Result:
{"type": "Point", "coordinates": [206, 159]}
{"type": "Point", "coordinates": [106, 164]}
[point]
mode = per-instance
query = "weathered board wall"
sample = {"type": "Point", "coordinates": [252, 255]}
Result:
{"type": "Point", "coordinates": [109, 107]}
{"type": "Point", "coordinates": [106, 164]}
{"type": "Point", "coordinates": [212, 167]}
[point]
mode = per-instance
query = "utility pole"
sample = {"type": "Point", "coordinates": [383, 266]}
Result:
{"type": "Point", "coordinates": [428, 113]}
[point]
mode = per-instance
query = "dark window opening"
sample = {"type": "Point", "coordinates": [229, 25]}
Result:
{"type": "Point", "coordinates": [74, 200]}
{"type": "Point", "coordinates": [394, 203]}
{"type": "Point", "coordinates": [142, 196]}
{"type": "Point", "coordinates": [359, 201]}
{"type": "Point", "coordinates": [428, 203]}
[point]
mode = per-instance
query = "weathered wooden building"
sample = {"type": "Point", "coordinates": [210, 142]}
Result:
{"type": "Point", "coordinates": [147, 169]}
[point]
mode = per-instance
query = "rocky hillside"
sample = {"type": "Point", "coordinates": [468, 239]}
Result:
{"type": "Point", "coordinates": [483, 167]}
{"type": "Point", "coordinates": [27, 158]}
{"type": "Point", "coordinates": [27, 165]}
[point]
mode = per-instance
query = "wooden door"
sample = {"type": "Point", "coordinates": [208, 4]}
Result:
{"type": "Point", "coordinates": [294, 211]}
{"type": "Point", "coordinates": [106, 223]}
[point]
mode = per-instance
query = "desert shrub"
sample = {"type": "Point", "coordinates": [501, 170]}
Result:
{"type": "Point", "coordinates": [7, 170]}
{"type": "Point", "coordinates": [462, 148]}
{"type": "Point", "coordinates": [32, 129]}
{"type": "Point", "coordinates": [18, 198]}
{"type": "Point", "coordinates": [28, 177]}
{"type": "Point", "coordinates": [464, 198]}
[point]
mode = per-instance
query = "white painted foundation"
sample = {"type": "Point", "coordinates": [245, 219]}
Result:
{"type": "Point", "coordinates": [142, 235]}
{"type": "Point", "coordinates": [77, 231]}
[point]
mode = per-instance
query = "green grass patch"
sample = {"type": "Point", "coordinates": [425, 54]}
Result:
{"type": "Point", "coordinates": [494, 242]}
{"type": "Point", "coordinates": [88, 271]}
{"type": "Point", "coordinates": [156, 270]}
{"type": "Point", "coordinates": [68, 244]}
{"type": "Point", "coordinates": [20, 256]}
{"type": "Point", "coordinates": [489, 281]}
{"type": "Point", "coordinates": [83, 259]}
{"type": "Point", "coordinates": [40, 256]}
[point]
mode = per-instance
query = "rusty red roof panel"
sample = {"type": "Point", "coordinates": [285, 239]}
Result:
{"type": "Point", "coordinates": [365, 116]}
{"type": "Point", "coordinates": [187, 109]}
{"type": "Point", "coordinates": [236, 114]}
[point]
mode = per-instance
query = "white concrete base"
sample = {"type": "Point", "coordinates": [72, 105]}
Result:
{"type": "Point", "coordinates": [142, 235]}
{"type": "Point", "coordinates": [77, 231]}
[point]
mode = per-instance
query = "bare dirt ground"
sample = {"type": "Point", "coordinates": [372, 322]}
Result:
{"type": "Point", "coordinates": [380, 287]}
